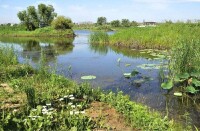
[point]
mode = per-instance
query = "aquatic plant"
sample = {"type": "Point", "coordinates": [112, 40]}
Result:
{"type": "Point", "coordinates": [99, 38]}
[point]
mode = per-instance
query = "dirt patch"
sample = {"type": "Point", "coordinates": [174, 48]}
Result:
{"type": "Point", "coordinates": [9, 99]}
{"type": "Point", "coordinates": [6, 87]}
{"type": "Point", "coordinates": [107, 117]}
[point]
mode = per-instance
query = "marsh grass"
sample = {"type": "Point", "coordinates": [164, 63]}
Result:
{"type": "Point", "coordinates": [185, 57]}
{"type": "Point", "coordinates": [99, 38]}
{"type": "Point", "coordinates": [163, 36]}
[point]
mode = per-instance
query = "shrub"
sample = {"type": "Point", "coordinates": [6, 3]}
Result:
{"type": "Point", "coordinates": [62, 23]}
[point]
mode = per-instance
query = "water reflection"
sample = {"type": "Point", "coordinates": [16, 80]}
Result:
{"type": "Point", "coordinates": [100, 49]}
{"type": "Point", "coordinates": [32, 47]}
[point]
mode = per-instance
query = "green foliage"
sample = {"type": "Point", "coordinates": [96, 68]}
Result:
{"type": "Point", "coordinates": [115, 23]}
{"type": "Point", "coordinates": [34, 19]}
{"type": "Point", "coordinates": [163, 36]}
{"type": "Point", "coordinates": [126, 23]}
{"type": "Point", "coordinates": [62, 23]}
{"type": "Point", "coordinates": [101, 20]}
{"type": "Point", "coordinates": [30, 93]}
{"type": "Point", "coordinates": [99, 38]}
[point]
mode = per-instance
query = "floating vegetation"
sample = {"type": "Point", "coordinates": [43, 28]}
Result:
{"type": "Point", "coordinates": [139, 81]}
{"type": "Point", "coordinates": [178, 94]}
{"type": "Point", "coordinates": [127, 75]}
{"type": "Point", "coordinates": [127, 65]}
{"type": "Point", "coordinates": [191, 89]}
{"type": "Point", "coordinates": [151, 66]}
{"type": "Point", "coordinates": [89, 77]}
{"type": "Point", "coordinates": [167, 85]}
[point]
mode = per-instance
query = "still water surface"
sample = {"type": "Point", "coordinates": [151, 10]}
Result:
{"type": "Point", "coordinates": [102, 61]}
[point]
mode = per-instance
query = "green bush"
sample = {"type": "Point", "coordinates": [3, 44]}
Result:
{"type": "Point", "coordinates": [62, 23]}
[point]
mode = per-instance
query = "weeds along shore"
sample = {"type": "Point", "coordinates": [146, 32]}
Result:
{"type": "Point", "coordinates": [37, 99]}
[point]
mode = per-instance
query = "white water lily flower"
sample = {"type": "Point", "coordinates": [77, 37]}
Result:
{"type": "Point", "coordinates": [70, 103]}
{"type": "Point", "coordinates": [71, 112]}
{"type": "Point", "coordinates": [61, 99]}
{"type": "Point", "coordinates": [45, 112]}
{"type": "Point", "coordinates": [44, 106]}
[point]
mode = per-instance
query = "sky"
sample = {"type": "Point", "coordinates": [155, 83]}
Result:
{"type": "Point", "coordinates": [90, 10]}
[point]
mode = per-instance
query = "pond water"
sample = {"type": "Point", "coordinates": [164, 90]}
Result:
{"type": "Point", "coordinates": [109, 64]}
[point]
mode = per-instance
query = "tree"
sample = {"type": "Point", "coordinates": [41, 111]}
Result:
{"type": "Point", "coordinates": [134, 23]}
{"type": "Point", "coordinates": [33, 18]}
{"type": "Point", "coordinates": [115, 23]}
{"type": "Point", "coordinates": [101, 20]}
{"type": "Point", "coordinates": [126, 23]}
{"type": "Point", "coordinates": [62, 23]}
{"type": "Point", "coordinates": [46, 14]}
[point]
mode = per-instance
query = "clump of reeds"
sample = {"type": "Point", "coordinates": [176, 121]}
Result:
{"type": "Point", "coordinates": [99, 38]}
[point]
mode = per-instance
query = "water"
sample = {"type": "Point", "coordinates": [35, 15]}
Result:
{"type": "Point", "coordinates": [101, 61]}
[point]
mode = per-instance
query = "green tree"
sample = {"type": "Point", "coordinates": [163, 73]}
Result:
{"type": "Point", "coordinates": [101, 20]}
{"type": "Point", "coordinates": [46, 14]}
{"type": "Point", "coordinates": [115, 23]}
{"type": "Point", "coordinates": [134, 23]}
{"type": "Point", "coordinates": [62, 23]}
{"type": "Point", "coordinates": [34, 18]}
{"type": "Point", "coordinates": [126, 23]}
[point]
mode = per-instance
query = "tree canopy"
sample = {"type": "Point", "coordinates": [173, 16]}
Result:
{"type": "Point", "coordinates": [101, 20]}
{"type": "Point", "coordinates": [34, 18]}
{"type": "Point", "coordinates": [61, 23]}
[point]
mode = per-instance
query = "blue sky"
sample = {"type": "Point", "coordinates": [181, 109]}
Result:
{"type": "Point", "coordinates": [89, 10]}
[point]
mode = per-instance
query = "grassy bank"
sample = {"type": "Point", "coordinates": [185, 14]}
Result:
{"type": "Point", "coordinates": [41, 100]}
{"type": "Point", "coordinates": [163, 36]}
{"type": "Point", "coordinates": [41, 32]}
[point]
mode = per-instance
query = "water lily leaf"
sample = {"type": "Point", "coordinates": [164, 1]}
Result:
{"type": "Point", "coordinates": [139, 81]}
{"type": "Point", "coordinates": [167, 85]}
{"type": "Point", "coordinates": [191, 89]}
{"type": "Point", "coordinates": [177, 79]}
{"type": "Point", "coordinates": [195, 74]}
{"type": "Point", "coordinates": [184, 76]}
{"type": "Point", "coordinates": [178, 94]}
{"type": "Point", "coordinates": [196, 82]}
{"type": "Point", "coordinates": [134, 72]}
{"type": "Point", "coordinates": [127, 75]}
{"type": "Point", "coordinates": [118, 60]}
{"type": "Point", "coordinates": [90, 77]}
{"type": "Point", "coordinates": [127, 65]}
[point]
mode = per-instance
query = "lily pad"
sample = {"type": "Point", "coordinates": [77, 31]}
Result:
{"type": "Point", "coordinates": [127, 75]}
{"type": "Point", "coordinates": [139, 81]}
{"type": "Point", "coordinates": [134, 72]}
{"type": "Point", "coordinates": [195, 74]}
{"type": "Point", "coordinates": [184, 76]}
{"type": "Point", "coordinates": [196, 82]}
{"type": "Point", "coordinates": [167, 85]}
{"type": "Point", "coordinates": [191, 89]}
{"type": "Point", "coordinates": [90, 77]}
{"type": "Point", "coordinates": [178, 94]}
{"type": "Point", "coordinates": [127, 65]}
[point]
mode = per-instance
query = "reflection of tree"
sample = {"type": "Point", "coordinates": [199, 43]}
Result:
{"type": "Point", "coordinates": [101, 49]}
{"type": "Point", "coordinates": [51, 47]}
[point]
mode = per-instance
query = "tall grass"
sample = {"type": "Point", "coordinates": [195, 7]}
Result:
{"type": "Point", "coordinates": [185, 56]}
{"type": "Point", "coordinates": [162, 36]}
{"type": "Point", "coordinates": [99, 38]}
